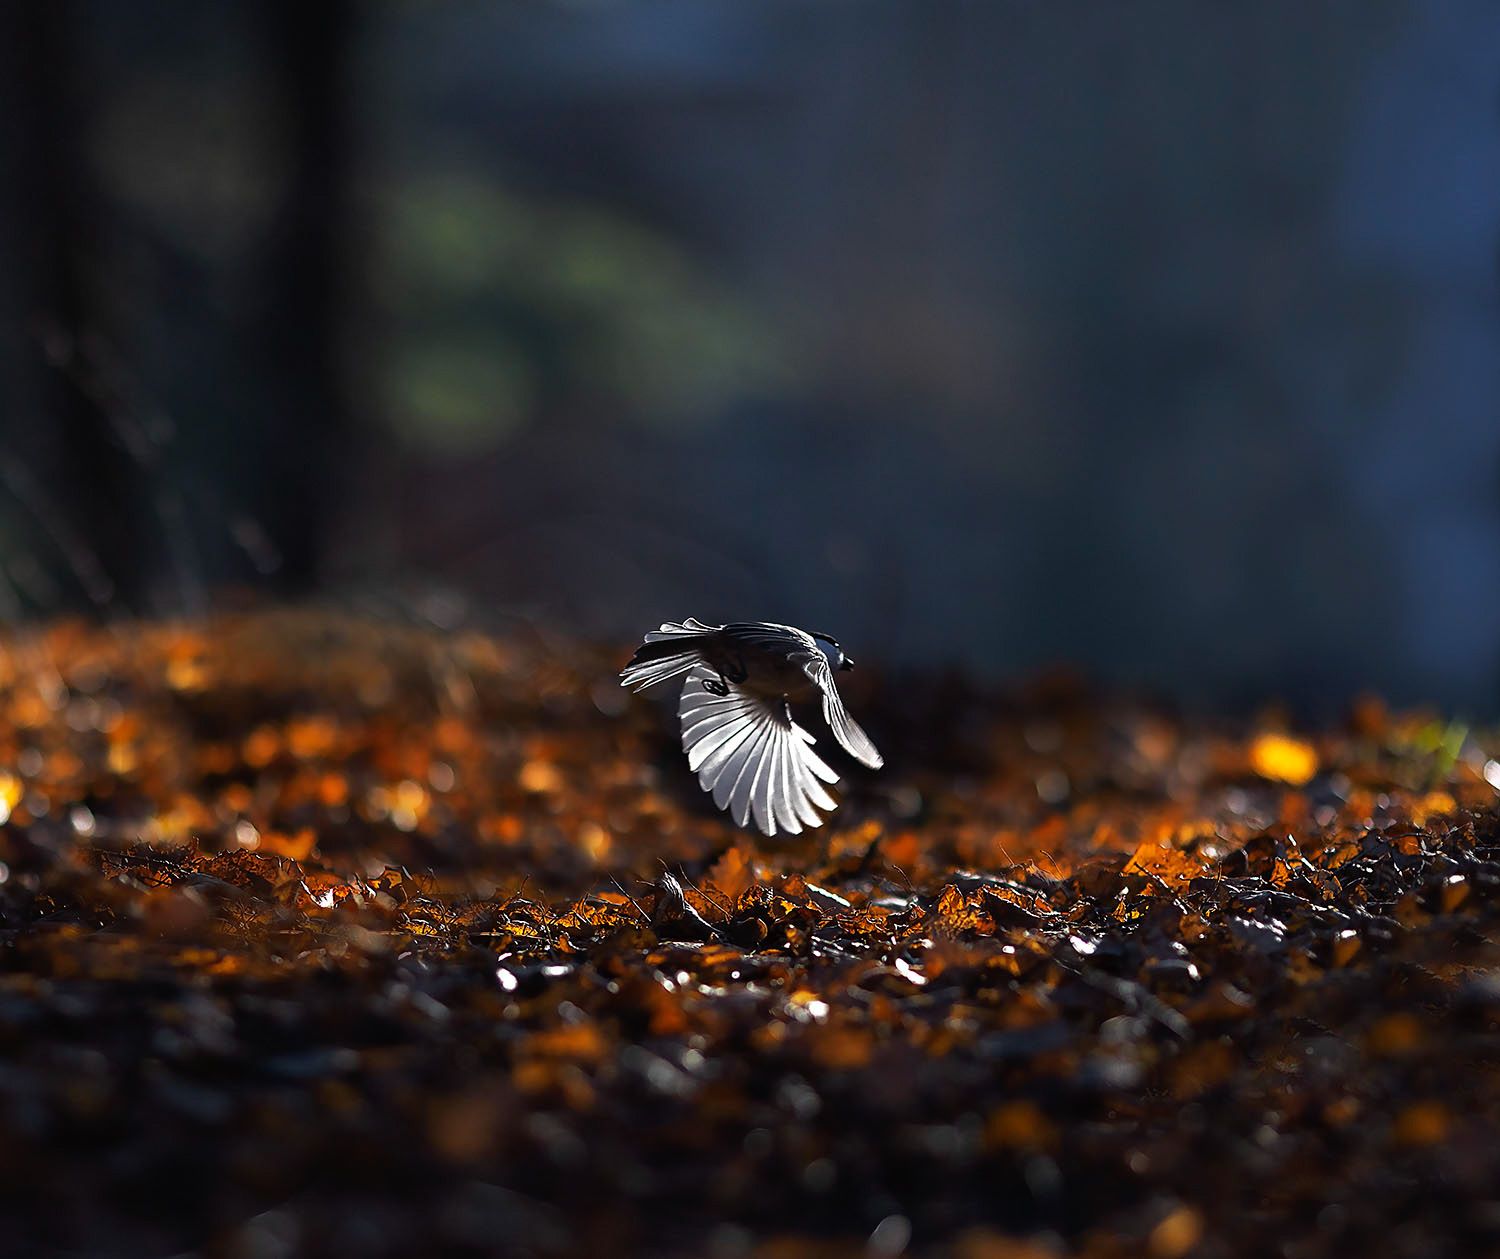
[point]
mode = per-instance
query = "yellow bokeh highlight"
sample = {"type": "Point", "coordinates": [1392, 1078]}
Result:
{"type": "Point", "coordinates": [1283, 759]}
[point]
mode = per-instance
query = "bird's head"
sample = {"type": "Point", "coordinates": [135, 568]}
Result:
{"type": "Point", "coordinates": [834, 652]}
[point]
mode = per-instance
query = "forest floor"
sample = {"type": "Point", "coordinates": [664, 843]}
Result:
{"type": "Point", "coordinates": [319, 936]}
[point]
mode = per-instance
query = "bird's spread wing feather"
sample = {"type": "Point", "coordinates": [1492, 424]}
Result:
{"type": "Point", "coordinates": [845, 729]}
{"type": "Point", "coordinates": [753, 757]}
{"type": "Point", "coordinates": [666, 653]}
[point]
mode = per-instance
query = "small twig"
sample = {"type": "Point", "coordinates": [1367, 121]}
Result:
{"type": "Point", "coordinates": [645, 917]}
{"type": "Point", "coordinates": [727, 913]}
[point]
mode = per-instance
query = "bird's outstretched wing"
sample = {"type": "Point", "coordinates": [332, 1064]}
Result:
{"type": "Point", "coordinates": [802, 647]}
{"type": "Point", "coordinates": [752, 756]}
{"type": "Point", "coordinates": [845, 729]}
{"type": "Point", "coordinates": [667, 652]}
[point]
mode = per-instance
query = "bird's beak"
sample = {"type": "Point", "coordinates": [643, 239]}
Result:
{"type": "Point", "coordinates": [847, 665]}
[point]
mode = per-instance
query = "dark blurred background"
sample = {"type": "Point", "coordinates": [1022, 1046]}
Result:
{"type": "Point", "coordinates": [1156, 338]}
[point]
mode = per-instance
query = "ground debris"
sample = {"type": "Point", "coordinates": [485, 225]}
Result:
{"type": "Point", "coordinates": [358, 939]}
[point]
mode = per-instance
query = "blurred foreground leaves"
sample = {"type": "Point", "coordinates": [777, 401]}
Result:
{"type": "Point", "coordinates": [320, 936]}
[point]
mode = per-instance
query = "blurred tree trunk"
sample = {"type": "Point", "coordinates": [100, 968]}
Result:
{"type": "Point", "coordinates": [75, 500]}
{"type": "Point", "coordinates": [306, 423]}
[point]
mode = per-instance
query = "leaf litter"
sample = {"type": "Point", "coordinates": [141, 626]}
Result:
{"type": "Point", "coordinates": [319, 935]}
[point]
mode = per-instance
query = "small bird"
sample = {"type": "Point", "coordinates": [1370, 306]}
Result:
{"type": "Point", "coordinates": [737, 727]}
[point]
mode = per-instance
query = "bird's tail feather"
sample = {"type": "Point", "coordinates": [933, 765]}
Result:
{"type": "Point", "coordinates": [658, 661]}
{"type": "Point", "coordinates": [666, 653]}
{"type": "Point", "coordinates": [690, 628]}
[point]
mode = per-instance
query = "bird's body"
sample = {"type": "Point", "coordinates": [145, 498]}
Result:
{"type": "Point", "coordinates": [737, 727]}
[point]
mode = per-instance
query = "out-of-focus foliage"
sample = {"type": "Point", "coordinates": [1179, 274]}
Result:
{"type": "Point", "coordinates": [318, 936]}
{"type": "Point", "coordinates": [497, 304]}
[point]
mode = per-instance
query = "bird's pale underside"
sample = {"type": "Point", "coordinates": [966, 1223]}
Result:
{"type": "Point", "coordinates": [737, 729]}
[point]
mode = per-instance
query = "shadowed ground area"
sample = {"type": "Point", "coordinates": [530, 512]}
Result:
{"type": "Point", "coordinates": [326, 936]}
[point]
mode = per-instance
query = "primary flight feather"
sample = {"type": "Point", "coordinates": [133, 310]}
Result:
{"type": "Point", "coordinates": [737, 729]}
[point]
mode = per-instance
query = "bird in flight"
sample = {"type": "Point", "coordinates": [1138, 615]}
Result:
{"type": "Point", "coordinates": [737, 727]}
